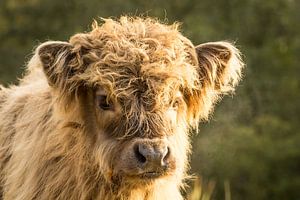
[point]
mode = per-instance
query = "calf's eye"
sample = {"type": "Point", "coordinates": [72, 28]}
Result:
{"type": "Point", "coordinates": [104, 103]}
{"type": "Point", "coordinates": [175, 104]}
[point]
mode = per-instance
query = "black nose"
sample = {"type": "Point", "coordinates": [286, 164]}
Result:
{"type": "Point", "coordinates": [152, 157]}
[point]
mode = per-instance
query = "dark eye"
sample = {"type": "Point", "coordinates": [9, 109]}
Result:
{"type": "Point", "coordinates": [104, 103]}
{"type": "Point", "coordinates": [175, 104]}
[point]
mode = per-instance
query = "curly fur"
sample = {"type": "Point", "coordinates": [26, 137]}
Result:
{"type": "Point", "coordinates": [55, 145]}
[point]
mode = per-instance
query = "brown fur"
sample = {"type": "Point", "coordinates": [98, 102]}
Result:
{"type": "Point", "coordinates": [56, 144]}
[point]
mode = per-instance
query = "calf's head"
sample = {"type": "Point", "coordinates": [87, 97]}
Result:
{"type": "Point", "coordinates": [135, 87]}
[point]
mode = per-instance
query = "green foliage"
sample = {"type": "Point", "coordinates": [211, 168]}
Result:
{"type": "Point", "coordinates": [253, 139]}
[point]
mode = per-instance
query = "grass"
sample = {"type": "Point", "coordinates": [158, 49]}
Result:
{"type": "Point", "coordinates": [204, 190]}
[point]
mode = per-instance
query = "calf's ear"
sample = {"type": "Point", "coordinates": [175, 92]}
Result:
{"type": "Point", "coordinates": [220, 66]}
{"type": "Point", "coordinates": [60, 63]}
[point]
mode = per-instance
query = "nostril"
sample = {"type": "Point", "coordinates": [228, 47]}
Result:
{"type": "Point", "coordinates": [142, 159]}
{"type": "Point", "coordinates": [167, 155]}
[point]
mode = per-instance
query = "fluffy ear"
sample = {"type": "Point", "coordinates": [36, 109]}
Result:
{"type": "Point", "coordinates": [220, 68]}
{"type": "Point", "coordinates": [60, 64]}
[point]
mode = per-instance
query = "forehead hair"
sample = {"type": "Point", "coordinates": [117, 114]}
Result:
{"type": "Point", "coordinates": [137, 56]}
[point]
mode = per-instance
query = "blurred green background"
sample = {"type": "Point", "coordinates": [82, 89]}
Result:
{"type": "Point", "coordinates": [252, 143]}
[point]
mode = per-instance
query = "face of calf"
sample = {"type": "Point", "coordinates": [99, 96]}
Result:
{"type": "Point", "coordinates": [141, 85]}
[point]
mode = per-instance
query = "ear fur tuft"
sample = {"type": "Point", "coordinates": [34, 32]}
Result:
{"type": "Point", "coordinates": [220, 67]}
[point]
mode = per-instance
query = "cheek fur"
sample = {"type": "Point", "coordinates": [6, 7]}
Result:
{"type": "Point", "coordinates": [181, 149]}
{"type": "Point", "coordinates": [105, 152]}
{"type": "Point", "coordinates": [171, 114]}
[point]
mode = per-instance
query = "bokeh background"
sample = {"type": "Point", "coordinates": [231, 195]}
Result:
{"type": "Point", "coordinates": [251, 145]}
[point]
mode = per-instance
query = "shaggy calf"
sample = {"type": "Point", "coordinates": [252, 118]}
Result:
{"type": "Point", "coordinates": [107, 114]}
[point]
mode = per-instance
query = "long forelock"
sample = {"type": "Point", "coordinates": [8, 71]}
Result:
{"type": "Point", "coordinates": [128, 56]}
{"type": "Point", "coordinates": [118, 49]}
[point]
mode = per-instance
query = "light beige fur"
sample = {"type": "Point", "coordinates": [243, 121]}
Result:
{"type": "Point", "coordinates": [55, 143]}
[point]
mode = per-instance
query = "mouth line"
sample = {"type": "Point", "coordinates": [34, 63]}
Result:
{"type": "Point", "coordinates": [151, 175]}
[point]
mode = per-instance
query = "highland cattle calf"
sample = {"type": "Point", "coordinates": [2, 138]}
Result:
{"type": "Point", "coordinates": [107, 114]}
